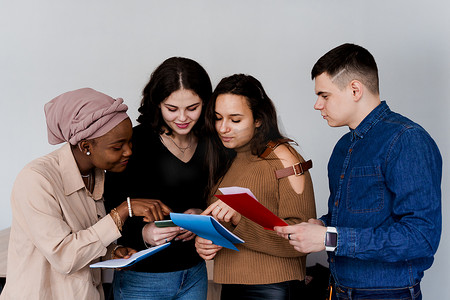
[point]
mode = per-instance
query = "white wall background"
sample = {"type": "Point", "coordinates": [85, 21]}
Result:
{"type": "Point", "coordinates": [49, 47]}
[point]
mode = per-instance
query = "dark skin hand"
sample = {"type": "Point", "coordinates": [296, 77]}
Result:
{"type": "Point", "coordinates": [151, 209]}
{"type": "Point", "coordinates": [123, 252]}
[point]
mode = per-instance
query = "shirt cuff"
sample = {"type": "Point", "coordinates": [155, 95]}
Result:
{"type": "Point", "coordinates": [346, 244]}
{"type": "Point", "coordinates": [323, 221]}
{"type": "Point", "coordinates": [106, 230]}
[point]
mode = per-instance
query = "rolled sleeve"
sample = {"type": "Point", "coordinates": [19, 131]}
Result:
{"type": "Point", "coordinates": [106, 230]}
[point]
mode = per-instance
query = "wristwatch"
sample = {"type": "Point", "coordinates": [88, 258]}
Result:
{"type": "Point", "coordinates": [331, 237]}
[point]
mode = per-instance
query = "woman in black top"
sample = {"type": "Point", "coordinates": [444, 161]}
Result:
{"type": "Point", "coordinates": [167, 164]}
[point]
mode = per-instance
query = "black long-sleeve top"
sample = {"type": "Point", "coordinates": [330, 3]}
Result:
{"type": "Point", "coordinates": [154, 172]}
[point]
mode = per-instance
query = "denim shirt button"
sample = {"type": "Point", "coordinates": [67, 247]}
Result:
{"type": "Point", "coordinates": [336, 203]}
{"type": "Point", "coordinates": [342, 176]}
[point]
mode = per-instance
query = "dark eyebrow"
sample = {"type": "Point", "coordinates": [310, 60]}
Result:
{"type": "Point", "coordinates": [232, 115]}
{"type": "Point", "coordinates": [198, 103]}
{"type": "Point", "coordinates": [174, 106]}
{"type": "Point", "coordinates": [165, 104]}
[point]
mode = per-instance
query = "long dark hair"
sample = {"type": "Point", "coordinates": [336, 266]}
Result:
{"type": "Point", "coordinates": [218, 157]}
{"type": "Point", "coordinates": [173, 74]}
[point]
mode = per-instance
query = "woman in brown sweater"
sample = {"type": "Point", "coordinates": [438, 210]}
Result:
{"type": "Point", "coordinates": [242, 121]}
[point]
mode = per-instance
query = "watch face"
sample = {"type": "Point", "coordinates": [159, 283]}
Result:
{"type": "Point", "coordinates": [331, 239]}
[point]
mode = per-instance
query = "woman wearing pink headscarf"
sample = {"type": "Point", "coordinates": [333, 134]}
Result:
{"type": "Point", "coordinates": [59, 224]}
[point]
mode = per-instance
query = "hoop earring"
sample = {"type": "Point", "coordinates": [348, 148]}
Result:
{"type": "Point", "coordinates": [88, 153]}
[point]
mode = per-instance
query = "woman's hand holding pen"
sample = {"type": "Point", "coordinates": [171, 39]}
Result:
{"type": "Point", "coordinates": [222, 212]}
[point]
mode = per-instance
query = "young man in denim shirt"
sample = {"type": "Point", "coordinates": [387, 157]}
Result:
{"type": "Point", "coordinates": [383, 224]}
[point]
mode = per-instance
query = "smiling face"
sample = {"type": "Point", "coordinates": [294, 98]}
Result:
{"type": "Point", "coordinates": [181, 111]}
{"type": "Point", "coordinates": [111, 151]}
{"type": "Point", "coordinates": [337, 106]}
{"type": "Point", "coordinates": [234, 121]}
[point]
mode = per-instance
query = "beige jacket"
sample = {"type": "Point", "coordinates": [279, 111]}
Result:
{"type": "Point", "coordinates": [58, 229]}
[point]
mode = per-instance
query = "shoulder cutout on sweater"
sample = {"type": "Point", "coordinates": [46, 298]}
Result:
{"type": "Point", "coordinates": [288, 158]}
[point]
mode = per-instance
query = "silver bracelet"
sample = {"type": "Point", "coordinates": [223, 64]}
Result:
{"type": "Point", "coordinates": [145, 243]}
{"type": "Point", "coordinates": [130, 211]}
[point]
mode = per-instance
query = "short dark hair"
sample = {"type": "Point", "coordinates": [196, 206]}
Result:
{"type": "Point", "coordinates": [348, 62]}
{"type": "Point", "coordinates": [220, 158]}
{"type": "Point", "coordinates": [173, 74]}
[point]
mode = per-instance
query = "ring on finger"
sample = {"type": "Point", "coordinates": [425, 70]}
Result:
{"type": "Point", "coordinates": [289, 236]}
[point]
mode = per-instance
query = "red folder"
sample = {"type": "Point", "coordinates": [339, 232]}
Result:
{"type": "Point", "coordinates": [249, 207]}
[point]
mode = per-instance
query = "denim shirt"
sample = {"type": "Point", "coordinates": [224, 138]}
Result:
{"type": "Point", "coordinates": [385, 201]}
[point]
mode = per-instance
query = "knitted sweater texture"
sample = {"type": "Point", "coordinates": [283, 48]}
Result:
{"type": "Point", "coordinates": [264, 257]}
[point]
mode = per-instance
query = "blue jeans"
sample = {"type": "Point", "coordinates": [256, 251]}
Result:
{"type": "Point", "coordinates": [190, 284]}
{"type": "Point", "coordinates": [411, 293]}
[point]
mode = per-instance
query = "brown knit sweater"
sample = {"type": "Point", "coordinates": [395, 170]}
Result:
{"type": "Point", "coordinates": [264, 257]}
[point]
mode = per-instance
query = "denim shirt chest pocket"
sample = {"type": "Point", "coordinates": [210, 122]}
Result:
{"type": "Point", "coordinates": [365, 190]}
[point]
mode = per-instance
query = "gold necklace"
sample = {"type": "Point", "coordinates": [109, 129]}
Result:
{"type": "Point", "coordinates": [182, 149]}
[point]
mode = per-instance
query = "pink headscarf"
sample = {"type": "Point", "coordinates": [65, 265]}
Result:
{"type": "Point", "coordinates": [82, 114]}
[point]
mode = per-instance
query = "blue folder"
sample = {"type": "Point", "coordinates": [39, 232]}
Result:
{"type": "Point", "coordinates": [208, 228]}
{"type": "Point", "coordinates": [122, 262]}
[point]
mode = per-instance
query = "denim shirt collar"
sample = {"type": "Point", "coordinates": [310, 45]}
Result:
{"type": "Point", "coordinates": [372, 118]}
